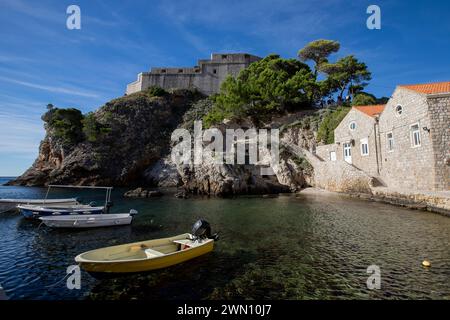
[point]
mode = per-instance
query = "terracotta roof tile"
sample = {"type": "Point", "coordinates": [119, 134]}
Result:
{"type": "Point", "coordinates": [371, 110]}
{"type": "Point", "coordinates": [429, 88]}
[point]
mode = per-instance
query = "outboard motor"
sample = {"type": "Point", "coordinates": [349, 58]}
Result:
{"type": "Point", "coordinates": [202, 230]}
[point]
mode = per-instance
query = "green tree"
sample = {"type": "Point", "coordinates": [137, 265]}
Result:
{"type": "Point", "coordinates": [330, 121]}
{"type": "Point", "coordinates": [318, 51]}
{"type": "Point", "coordinates": [346, 73]}
{"type": "Point", "coordinates": [364, 99]}
{"type": "Point", "coordinates": [66, 124]}
{"type": "Point", "coordinates": [271, 85]}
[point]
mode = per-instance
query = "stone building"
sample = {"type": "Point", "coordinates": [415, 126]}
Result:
{"type": "Point", "coordinates": [207, 76]}
{"type": "Point", "coordinates": [403, 144]}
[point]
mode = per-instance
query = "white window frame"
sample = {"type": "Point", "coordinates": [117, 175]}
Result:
{"type": "Point", "coordinates": [364, 141]}
{"type": "Point", "coordinates": [387, 141]}
{"type": "Point", "coordinates": [331, 157]}
{"type": "Point", "coordinates": [347, 148]}
{"type": "Point", "coordinates": [396, 112]}
{"type": "Point", "coordinates": [411, 135]}
{"type": "Point", "coordinates": [350, 125]}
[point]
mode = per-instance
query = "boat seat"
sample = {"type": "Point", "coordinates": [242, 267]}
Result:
{"type": "Point", "coordinates": [152, 253]}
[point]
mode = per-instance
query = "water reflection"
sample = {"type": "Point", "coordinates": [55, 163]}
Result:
{"type": "Point", "coordinates": [290, 247]}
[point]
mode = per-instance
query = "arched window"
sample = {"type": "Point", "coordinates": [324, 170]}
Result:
{"type": "Point", "coordinates": [352, 125]}
{"type": "Point", "coordinates": [398, 110]}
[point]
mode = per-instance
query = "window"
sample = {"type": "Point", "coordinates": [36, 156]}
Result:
{"type": "Point", "coordinates": [348, 152]}
{"type": "Point", "coordinates": [365, 147]}
{"type": "Point", "coordinates": [352, 125]}
{"type": "Point", "coordinates": [180, 70]}
{"type": "Point", "coordinates": [214, 71]}
{"type": "Point", "coordinates": [398, 110]}
{"type": "Point", "coordinates": [224, 56]}
{"type": "Point", "coordinates": [163, 71]}
{"type": "Point", "coordinates": [333, 156]}
{"type": "Point", "coordinates": [415, 135]}
{"type": "Point", "coordinates": [390, 141]}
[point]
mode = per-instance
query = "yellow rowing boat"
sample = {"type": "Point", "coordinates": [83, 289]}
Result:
{"type": "Point", "coordinates": [146, 255]}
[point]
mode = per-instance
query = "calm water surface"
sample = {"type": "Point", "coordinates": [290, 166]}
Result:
{"type": "Point", "coordinates": [290, 247]}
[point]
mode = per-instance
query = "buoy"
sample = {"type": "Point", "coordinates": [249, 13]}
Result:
{"type": "Point", "coordinates": [426, 263]}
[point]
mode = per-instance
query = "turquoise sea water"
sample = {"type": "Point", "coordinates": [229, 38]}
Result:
{"type": "Point", "coordinates": [291, 247]}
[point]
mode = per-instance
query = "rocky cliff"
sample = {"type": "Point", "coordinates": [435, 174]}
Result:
{"type": "Point", "coordinates": [126, 142]}
{"type": "Point", "coordinates": [131, 134]}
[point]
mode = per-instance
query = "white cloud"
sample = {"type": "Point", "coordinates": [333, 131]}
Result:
{"type": "Point", "coordinates": [55, 89]}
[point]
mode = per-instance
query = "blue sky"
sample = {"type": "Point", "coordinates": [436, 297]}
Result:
{"type": "Point", "coordinates": [41, 61]}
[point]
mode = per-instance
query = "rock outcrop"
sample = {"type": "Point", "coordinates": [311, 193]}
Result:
{"type": "Point", "coordinates": [143, 193]}
{"type": "Point", "coordinates": [138, 133]}
{"type": "Point", "coordinates": [133, 148]}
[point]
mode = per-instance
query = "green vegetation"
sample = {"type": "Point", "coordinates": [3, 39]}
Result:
{"type": "Point", "coordinates": [367, 99]}
{"type": "Point", "coordinates": [364, 99]}
{"type": "Point", "coordinates": [155, 91]}
{"type": "Point", "coordinates": [346, 74]}
{"type": "Point", "coordinates": [71, 126]}
{"type": "Point", "coordinates": [92, 129]}
{"type": "Point", "coordinates": [318, 51]}
{"type": "Point", "coordinates": [273, 86]}
{"type": "Point", "coordinates": [330, 121]}
{"type": "Point", "coordinates": [269, 86]}
{"type": "Point", "coordinates": [65, 123]}
{"type": "Point", "coordinates": [303, 164]}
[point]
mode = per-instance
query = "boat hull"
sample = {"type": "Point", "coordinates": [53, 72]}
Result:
{"type": "Point", "coordinates": [31, 212]}
{"type": "Point", "coordinates": [11, 204]}
{"type": "Point", "coordinates": [87, 221]}
{"type": "Point", "coordinates": [142, 265]}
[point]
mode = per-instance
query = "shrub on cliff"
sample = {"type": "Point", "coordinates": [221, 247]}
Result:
{"type": "Point", "coordinates": [330, 121]}
{"type": "Point", "coordinates": [92, 129]}
{"type": "Point", "coordinates": [155, 91]}
{"type": "Point", "coordinates": [269, 86]}
{"type": "Point", "coordinates": [66, 124]}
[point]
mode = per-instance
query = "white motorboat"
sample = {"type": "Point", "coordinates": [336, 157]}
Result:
{"type": "Point", "coordinates": [89, 220]}
{"type": "Point", "coordinates": [10, 204]}
{"type": "Point", "coordinates": [36, 211]}
{"type": "Point", "coordinates": [30, 211]}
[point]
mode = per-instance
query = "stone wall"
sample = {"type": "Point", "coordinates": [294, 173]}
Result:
{"type": "Point", "coordinates": [365, 128]}
{"type": "Point", "coordinates": [324, 151]}
{"type": "Point", "coordinates": [406, 166]}
{"type": "Point", "coordinates": [206, 77]}
{"type": "Point", "coordinates": [337, 176]}
{"type": "Point", "coordinates": [439, 113]}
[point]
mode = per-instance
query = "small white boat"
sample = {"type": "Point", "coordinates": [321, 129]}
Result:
{"type": "Point", "coordinates": [10, 204]}
{"type": "Point", "coordinates": [32, 212]}
{"type": "Point", "coordinates": [89, 220]}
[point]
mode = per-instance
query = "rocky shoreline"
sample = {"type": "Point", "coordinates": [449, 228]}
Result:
{"type": "Point", "coordinates": [133, 148]}
{"type": "Point", "coordinates": [435, 202]}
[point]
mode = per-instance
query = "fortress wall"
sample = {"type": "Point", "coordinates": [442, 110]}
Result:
{"type": "Point", "coordinates": [207, 76]}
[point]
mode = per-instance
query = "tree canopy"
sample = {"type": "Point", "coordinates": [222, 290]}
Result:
{"type": "Point", "coordinates": [364, 99]}
{"type": "Point", "coordinates": [271, 85]}
{"type": "Point", "coordinates": [66, 123]}
{"type": "Point", "coordinates": [346, 74]}
{"type": "Point", "coordinates": [318, 51]}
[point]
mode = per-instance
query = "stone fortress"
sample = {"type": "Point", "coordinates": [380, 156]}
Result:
{"type": "Point", "coordinates": [207, 76]}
